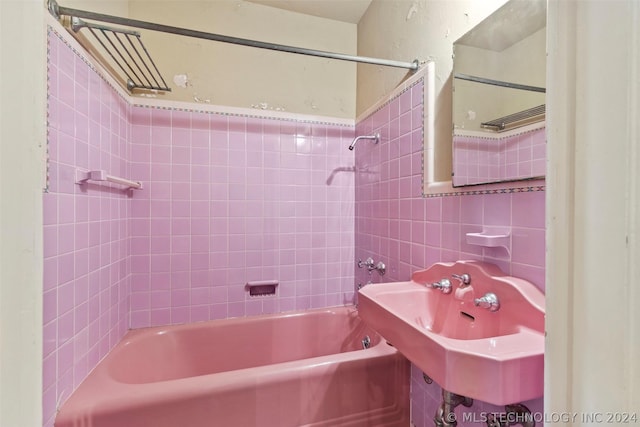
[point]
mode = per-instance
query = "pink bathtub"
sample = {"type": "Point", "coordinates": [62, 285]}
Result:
{"type": "Point", "coordinates": [296, 369]}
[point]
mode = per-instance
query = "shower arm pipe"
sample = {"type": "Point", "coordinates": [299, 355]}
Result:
{"type": "Point", "coordinates": [374, 137]}
{"type": "Point", "coordinates": [58, 11]}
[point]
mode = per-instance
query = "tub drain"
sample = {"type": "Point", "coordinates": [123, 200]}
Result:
{"type": "Point", "coordinates": [366, 342]}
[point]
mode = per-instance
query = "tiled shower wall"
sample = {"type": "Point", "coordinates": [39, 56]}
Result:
{"type": "Point", "coordinates": [226, 199]}
{"type": "Point", "coordinates": [86, 228]}
{"type": "Point", "coordinates": [396, 225]}
{"type": "Point", "coordinates": [234, 199]}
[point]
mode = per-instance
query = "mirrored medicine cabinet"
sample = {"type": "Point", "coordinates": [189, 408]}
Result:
{"type": "Point", "coordinates": [499, 80]}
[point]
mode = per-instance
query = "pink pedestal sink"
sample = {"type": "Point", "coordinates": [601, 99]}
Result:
{"type": "Point", "coordinates": [495, 357]}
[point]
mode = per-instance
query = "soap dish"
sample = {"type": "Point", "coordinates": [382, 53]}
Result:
{"type": "Point", "coordinates": [491, 237]}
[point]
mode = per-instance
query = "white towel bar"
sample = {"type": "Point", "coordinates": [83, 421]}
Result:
{"type": "Point", "coordinates": [83, 176]}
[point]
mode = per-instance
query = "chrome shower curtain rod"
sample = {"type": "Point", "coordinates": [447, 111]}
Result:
{"type": "Point", "coordinates": [498, 83]}
{"type": "Point", "coordinates": [58, 11]}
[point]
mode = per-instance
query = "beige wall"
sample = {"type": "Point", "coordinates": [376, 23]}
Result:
{"type": "Point", "coordinates": [22, 142]}
{"type": "Point", "coordinates": [417, 29]}
{"type": "Point", "coordinates": [239, 76]}
{"type": "Point", "coordinates": [110, 7]}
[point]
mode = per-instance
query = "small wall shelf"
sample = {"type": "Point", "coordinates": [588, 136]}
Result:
{"type": "Point", "coordinates": [82, 176]}
{"type": "Point", "coordinates": [492, 237]}
{"type": "Point", "coordinates": [261, 287]}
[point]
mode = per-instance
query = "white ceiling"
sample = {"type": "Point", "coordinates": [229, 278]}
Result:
{"type": "Point", "coordinates": [340, 10]}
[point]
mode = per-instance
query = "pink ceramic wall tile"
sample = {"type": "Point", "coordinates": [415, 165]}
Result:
{"type": "Point", "coordinates": [539, 147]}
{"type": "Point", "coordinates": [484, 159]}
{"type": "Point", "coordinates": [471, 210]}
{"type": "Point", "coordinates": [214, 176]}
{"type": "Point", "coordinates": [538, 167]}
{"type": "Point", "coordinates": [86, 232]}
{"type": "Point", "coordinates": [511, 171]}
{"type": "Point", "coordinates": [528, 246]}
{"type": "Point", "coordinates": [524, 169]}
{"type": "Point", "coordinates": [496, 209]}
{"type": "Point", "coordinates": [529, 272]}
{"type": "Point", "coordinates": [437, 225]}
{"type": "Point", "coordinates": [160, 316]}
{"type": "Point", "coordinates": [528, 210]}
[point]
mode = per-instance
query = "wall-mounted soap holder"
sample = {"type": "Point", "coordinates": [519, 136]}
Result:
{"type": "Point", "coordinates": [261, 288]}
{"type": "Point", "coordinates": [492, 237]}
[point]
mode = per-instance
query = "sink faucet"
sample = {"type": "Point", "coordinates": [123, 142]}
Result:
{"type": "Point", "coordinates": [488, 301]}
{"type": "Point", "coordinates": [464, 278]}
{"type": "Point", "coordinates": [444, 285]}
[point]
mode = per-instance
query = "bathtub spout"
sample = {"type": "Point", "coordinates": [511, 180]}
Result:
{"type": "Point", "coordinates": [366, 342]}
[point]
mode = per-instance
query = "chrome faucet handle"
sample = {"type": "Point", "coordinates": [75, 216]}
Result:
{"type": "Point", "coordinates": [464, 278]}
{"type": "Point", "coordinates": [381, 268]}
{"type": "Point", "coordinates": [369, 262]}
{"type": "Point", "coordinates": [444, 285]}
{"type": "Point", "coordinates": [488, 301]}
{"type": "Point", "coordinates": [371, 265]}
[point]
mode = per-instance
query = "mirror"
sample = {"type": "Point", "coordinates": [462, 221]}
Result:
{"type": "Point", "coordinates": [499, 79]}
